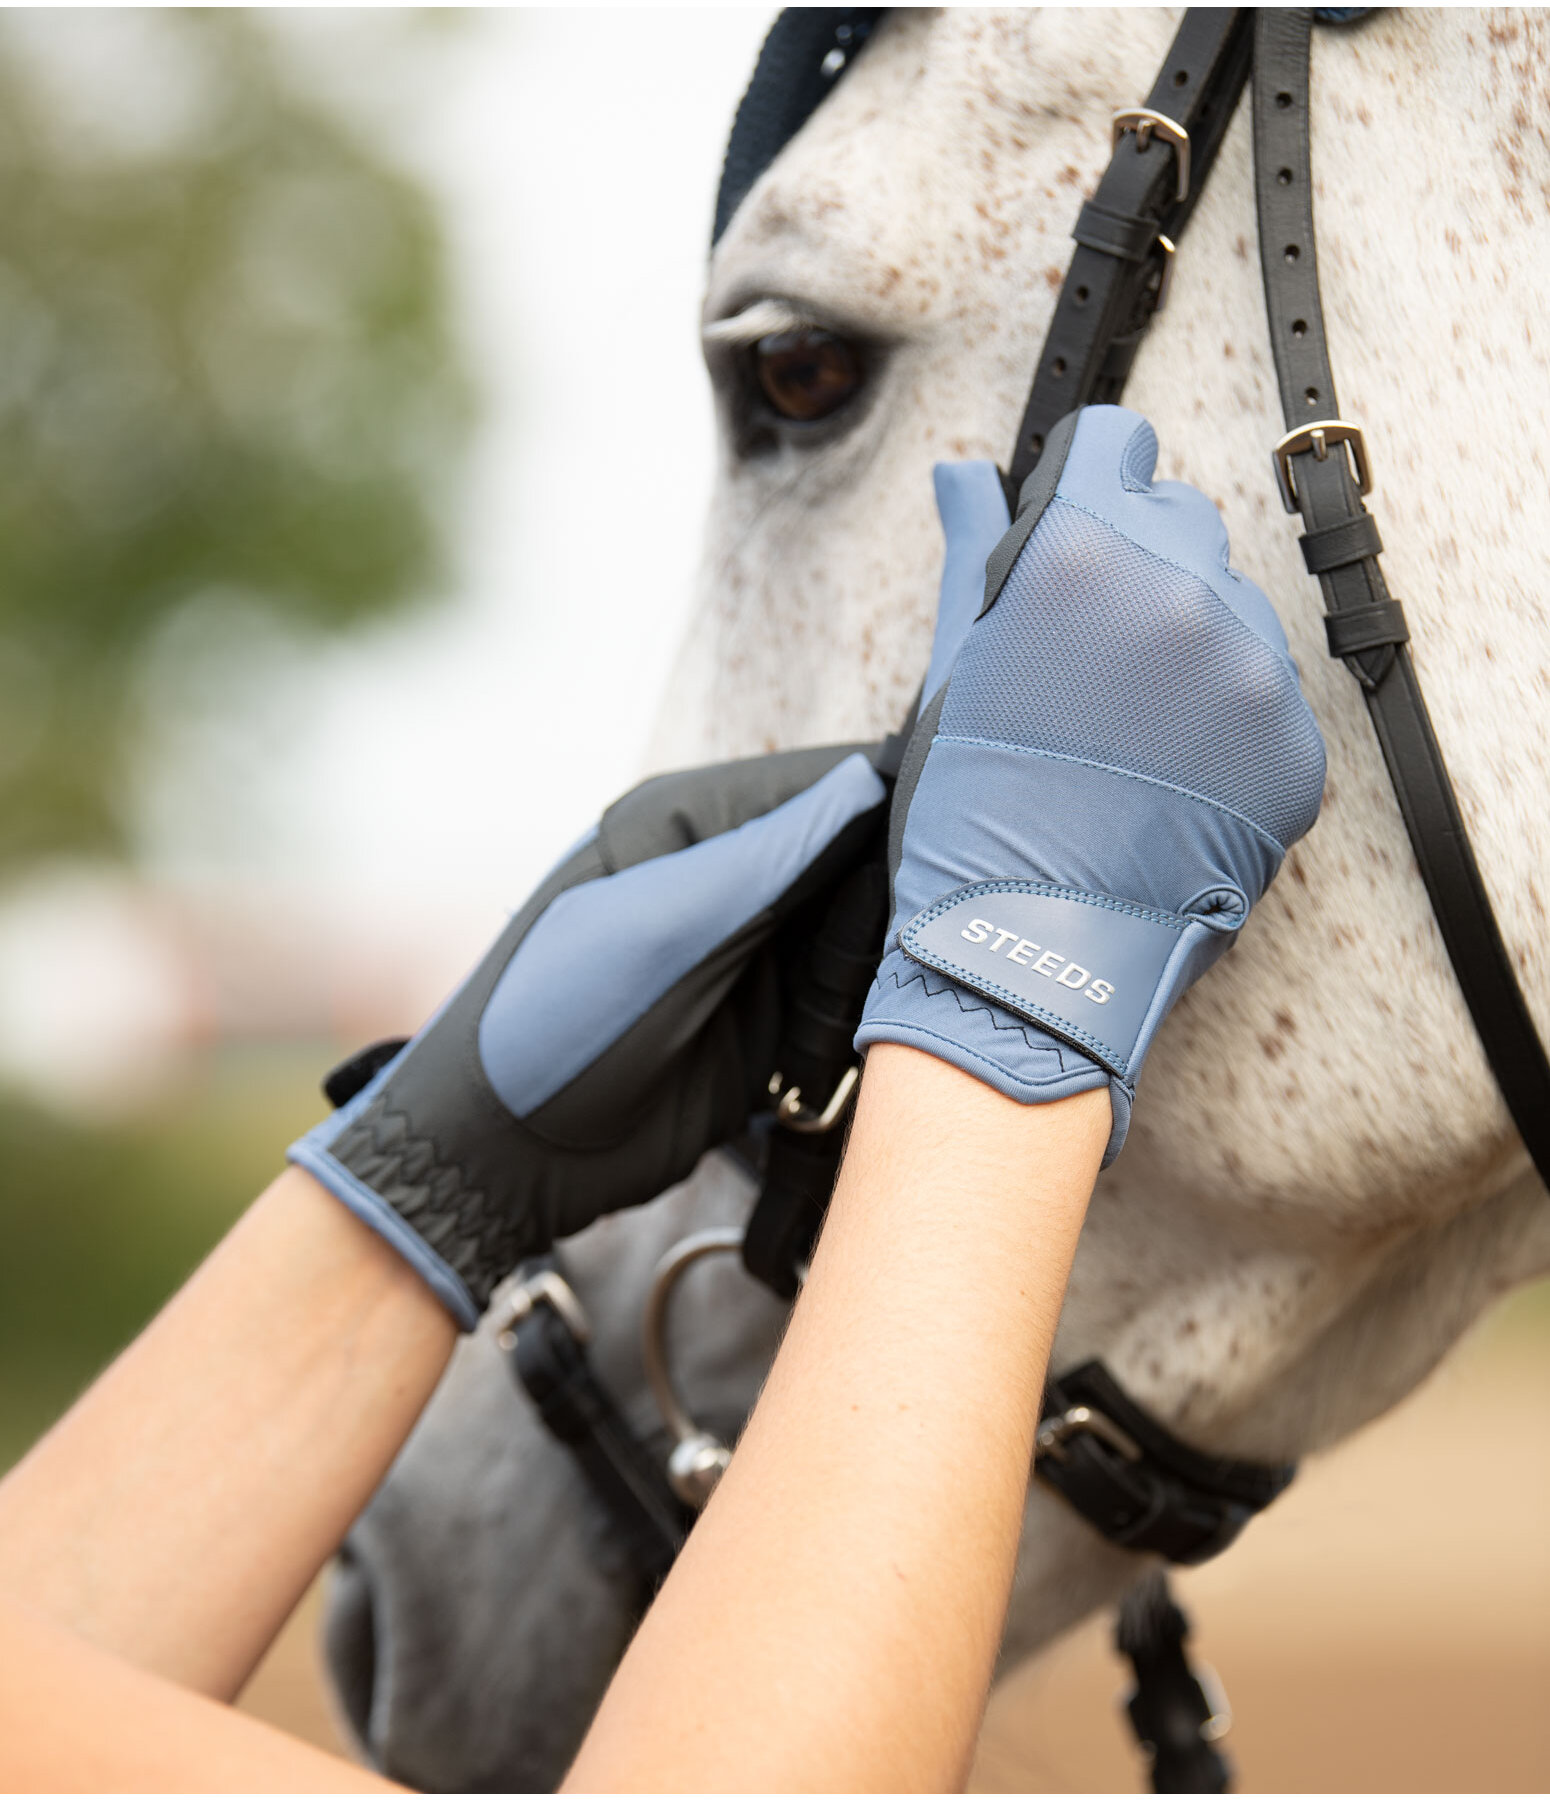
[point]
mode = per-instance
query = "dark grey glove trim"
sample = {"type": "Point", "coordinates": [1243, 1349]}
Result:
{"type": "Point", "coordinates": [434, 1198]}
{"type": "Point", "coordinates": [671, 812]}
{"type": "Point", "coordinates": [501, 1198]}
{"type": "Point", "coordinates": [1037, 492]}
{"type": "Point", "coordinates": [915, 753]}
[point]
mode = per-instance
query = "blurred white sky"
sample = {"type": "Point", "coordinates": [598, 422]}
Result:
{"type": "Point", "coordinates": [411, 786]}
{"type": "Point", "coordinates": [577, 153]}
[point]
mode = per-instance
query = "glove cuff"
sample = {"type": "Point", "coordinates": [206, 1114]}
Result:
{"type": "Point", "coordinates": [371, 1209]}
{"type": "Point", "coordinates": [919, 1006]}
{"type": "Point", "coordinates": [1100, 973]}
{"type": "Point", "coordinates": [370, 1158]}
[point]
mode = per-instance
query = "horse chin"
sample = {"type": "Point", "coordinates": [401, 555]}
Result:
{"type": "Point", "coordinates": [482, 1601]}
{"type": "Point", "coordinates": [476, 1613]}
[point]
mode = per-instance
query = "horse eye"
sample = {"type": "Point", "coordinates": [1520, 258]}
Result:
{"type": "Point", "coordinates": [806, 375]}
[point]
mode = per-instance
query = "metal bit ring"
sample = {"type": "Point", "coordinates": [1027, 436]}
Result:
{"type": "Point", "coordinates": [698, 1458]}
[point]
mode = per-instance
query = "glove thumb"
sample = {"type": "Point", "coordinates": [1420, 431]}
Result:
{"type": "Point", "coordinates": [971, 503]}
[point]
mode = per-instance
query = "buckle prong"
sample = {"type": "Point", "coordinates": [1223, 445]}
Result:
{"type": "Point", "coordinates": [791, 1113]}
{"type": "Point", "coordinates": [1318, 437]}
{"type": "Point", "coordinates": [1165, 279]}
{"type": "Point", "coordinates": [1147, 123]}
{"type": "Point", "coordinates": [548, 1286]}
{"type": "Point", "coordinates": [1054, 1431]}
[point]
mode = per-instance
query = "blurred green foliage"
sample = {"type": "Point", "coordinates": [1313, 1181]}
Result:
{"type": "Point", "coordinates": [104, 1221]}
{"type": "Point", "coordinates": [229, 391]}
{"type": "Point", "coordinates": [227, 370]}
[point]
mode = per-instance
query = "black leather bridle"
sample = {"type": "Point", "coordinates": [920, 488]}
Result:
{"type": "Point", "coordinates": [1105, 1454]}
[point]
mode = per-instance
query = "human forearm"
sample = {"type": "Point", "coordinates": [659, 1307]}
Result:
{"type": "Point", "coordinates": [74, 1719]}
{"type": "Point", "coordinates": [834, 1619]}
{"type": "Point", "coordinates": [180, 1509]}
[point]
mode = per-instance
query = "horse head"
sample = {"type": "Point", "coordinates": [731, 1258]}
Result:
{"type": "Point", "coordinates": [1321, 1189]}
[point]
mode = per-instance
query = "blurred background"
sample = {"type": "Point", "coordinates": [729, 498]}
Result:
{"type": "Point", "coordinates": [321, 337]}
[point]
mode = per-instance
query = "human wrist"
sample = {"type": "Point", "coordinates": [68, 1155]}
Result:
{"type": "Point", "coordinates": [935, 1128]}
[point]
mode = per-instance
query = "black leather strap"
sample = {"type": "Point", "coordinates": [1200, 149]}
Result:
{"type": "Point", "coordinates": [1111, 287]}
{"type": "Point", "coordinates": [1134, 1481]}
{"type": "Point", "coordinates": [1363, 630]}
{"type": "Point", "coordinates": [1115, 234]}
{"type": "Point", "coordinates": [1175, 1721]}
{"type": "Point", "coordinates": [807, 51]}
{"type": "Point", "coordinates": [551, 1364]}
{"type": "Point", "coordinates": [345, 1080]}
{"type": "Point", "coordinates": [814, 1056]}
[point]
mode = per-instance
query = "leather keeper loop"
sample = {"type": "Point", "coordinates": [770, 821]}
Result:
{"type": "Point", "coordinates": [1360, 628]}
{"type": "Point", "coordinates": [1124, 235]}
{"type": "Point", "coordinates": [1352, 540]}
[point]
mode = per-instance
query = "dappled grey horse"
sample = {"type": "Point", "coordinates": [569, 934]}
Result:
{"type": "Point", "coordinates": [1322, 1189]}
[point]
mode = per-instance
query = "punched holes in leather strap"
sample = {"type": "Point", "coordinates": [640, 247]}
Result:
{"type": "Point", "coordinates": [1360, 628]}
{"type": "Point", "coordinates": [1125, 235]}
{"type": "Point", "coordinates": [1352, 540]}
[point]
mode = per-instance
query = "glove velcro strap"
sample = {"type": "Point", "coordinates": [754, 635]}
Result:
{"type": "Point", "coordinates": [1096, 971]}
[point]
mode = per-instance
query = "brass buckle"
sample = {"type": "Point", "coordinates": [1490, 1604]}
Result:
{"type": "Point", "coordinates": [1054, 1431]}
{"type": "Point", "coordinates": [791, 1113]}
{"type": "Point", "coordinates": [1146, 124]}
{"type": "Point", "coordinates": [1318, 437]}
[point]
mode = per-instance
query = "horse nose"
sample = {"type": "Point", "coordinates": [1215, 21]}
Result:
{"type": "Point", "coordinates": [350, 1642]}
{"type": "Point", "coordinates": [480, 1603]}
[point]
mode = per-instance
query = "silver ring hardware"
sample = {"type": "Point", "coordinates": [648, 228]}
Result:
{"type": "Point", "coordinates": [555, 1291]}
{"type": "Point", "coordinates": [1318, 437]}
{"type": "Point", "coordinates": [1055, 1431]}
{"type": "Point", "coordinates": [698, 1459]}
{"type": "Point", "coordinates": [1214, 1729]}
{"type": "Point", "coordinates": [1147, 124]}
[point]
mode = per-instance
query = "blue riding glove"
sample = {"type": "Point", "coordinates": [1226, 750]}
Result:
{"type": "Point", "coordinates": [624, 1023]}
{"type": "Point", "coordinates": [1101, 784]}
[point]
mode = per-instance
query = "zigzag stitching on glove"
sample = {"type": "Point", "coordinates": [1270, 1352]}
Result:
{"type": "Point", "coordinates": [972, 1006]}
{"type": "Point", "coordinates": [469, 1240]}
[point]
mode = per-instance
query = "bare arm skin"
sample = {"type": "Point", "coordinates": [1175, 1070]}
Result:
{"type": "Point", "coordinates": [75, 1719]}
{"type": "Point", "coordinates": [179, 1511]}
{"type": "Point", "coordinates": [833, 1620]}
